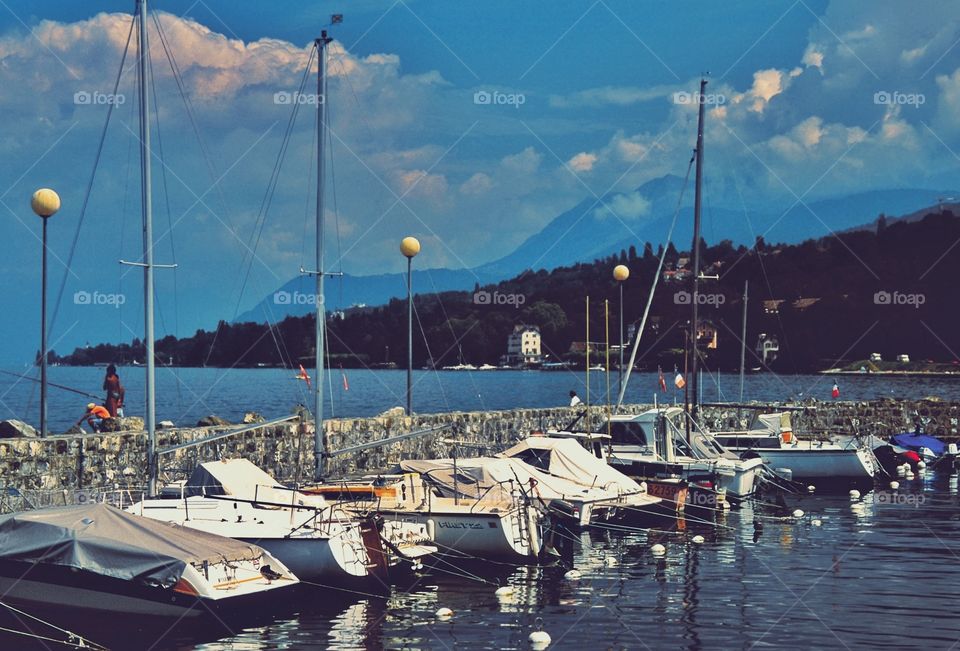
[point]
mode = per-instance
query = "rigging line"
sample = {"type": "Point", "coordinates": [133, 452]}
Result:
{"type": "Point", "coordinates": [123, 221]}
{"type": "Point", "coordinates": [656, 280]}
{"type": "Point", "coordinates": [446, 318]}
{"type": "Point", "coordinates": [309, 194]}
{"type": "Point", "coordinates": [254, 240]}
{"type": "Point", "coordinates": [93, 175]}
{"type": "Point", "coordinates": [426, 344]}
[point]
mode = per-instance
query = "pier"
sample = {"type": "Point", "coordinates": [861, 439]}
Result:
{"type": "Point", "coordinates": [67, 468]}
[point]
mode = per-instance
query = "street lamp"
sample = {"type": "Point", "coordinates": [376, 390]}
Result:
{"type": "Point", "coordinates": [620, 273]}
{"type": "Point", "coordinates": [45, 203]}
{"type": "Point", "coordinates": [409, 247]}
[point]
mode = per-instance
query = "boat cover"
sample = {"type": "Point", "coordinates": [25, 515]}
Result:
{"type": "Point", "coordinates": [479, 477]}
{"type": "Point", "coordinates": [916, 441]}
{"type": "Point", "coordinates": [244, 480]}
{"type": "Point", "coordinates": [568, 459]}
{"type": "Point", "coordinates": [104, 540]}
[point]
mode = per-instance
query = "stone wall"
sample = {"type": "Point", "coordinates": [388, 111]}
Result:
{"type": "Point", "coordinates": [57, 466]}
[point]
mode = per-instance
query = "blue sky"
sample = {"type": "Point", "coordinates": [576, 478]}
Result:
{"type": "Point", "coordinates": [797, 117]}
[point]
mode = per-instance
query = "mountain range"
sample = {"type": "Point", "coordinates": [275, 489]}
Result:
{"type": "Point", "coordinates": [597, 227]}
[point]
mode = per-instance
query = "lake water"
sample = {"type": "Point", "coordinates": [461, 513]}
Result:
{"type": "Point", "coordinates": [186, 394]}
{"type": "Point", "coordinates": [880, 572]}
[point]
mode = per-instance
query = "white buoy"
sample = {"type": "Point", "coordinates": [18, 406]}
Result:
{"type": "Point", "coordinates": [610, 561]}
{"type": "Point", "coordinates": [539, 639]}
{"type": "Point", "coordinates": [811, 488]}
{"type": "Point", "coordinates": [444, 613]}
{"type": "Point", "coordinates": [901, 471]}
{"type": "Point", "coordinates": [910, 475]}
{"type": "Point", "coordinates": [658, 550]}
{"type": "Point", "coordinates": [921, 465]}
{"type": "Point", "coordinates": [726, 505]}
{"type": "Point", "coordinates": [572, 575]}
{"type": "Point", "coordinates": [854, 494]}
{"type": "Point", "coordinates": [698, 540]}
{"type": "Point", "coordinates": [798, 513]}
{"type": "Point", "coordinates": [504, 591]}
{"type": "Point", "coordinates": [816, 523]}
{"type": "Point", "coordinates": [894, 485]}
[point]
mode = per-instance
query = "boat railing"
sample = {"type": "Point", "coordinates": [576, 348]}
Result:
{"type": "Point", "coordinates": [509, 492]}
{"type": "Point", "coordinates": [14, 499]}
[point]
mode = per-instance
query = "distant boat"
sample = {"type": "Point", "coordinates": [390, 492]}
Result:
{"type": "Point", "coordinates": [97, 559]}
{"type": "Point", "coordinates": [487, 367]}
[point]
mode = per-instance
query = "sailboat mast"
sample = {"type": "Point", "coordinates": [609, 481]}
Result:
{"type": "Point", "coordinates": [319, 434]}
{"type": "Point", "coordinates": [695, 295]}
{"type": "Point", "coordinates": [146, 198]}
{"type": "Point", "coordinates": [743, 338]}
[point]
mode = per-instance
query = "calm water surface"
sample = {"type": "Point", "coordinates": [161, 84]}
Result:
{"type": "Point", "coordinates": [187, 394]}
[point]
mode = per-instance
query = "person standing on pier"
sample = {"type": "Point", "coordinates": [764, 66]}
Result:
{"type": "Point", "coordinates": [835, 392]}
{"type": "Point", "coordinates": [115, 392]}
{"type": "Point", "coordinates": [574, 399]}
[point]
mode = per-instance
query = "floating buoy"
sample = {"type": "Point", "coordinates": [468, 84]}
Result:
{"type": "Point", "coordinates": [658, 550]}
{"type": "Point", "coordinates": [611, 561]}
{"type": "Point", "coordinates": [894, 485]}
{"type": "Point", "coordinates": [921, 465]}
{"type": "Point", "coordinates": [444, 613]}
{"type": "Point", "coordinates": [811, 488]}
{"type": "Point", "coordinates": [816, 523]}
{"type": "Point", "coordinates": [910, 475]}
{"type": "Point", "coordinates": [854, 494]}
{"type": "Point", "coordinates": [798, 513]}
{"type": "Point", "coordinates": [572, 575]}
{"type": "Point", "coordinates": [539, 639]}
{"type": "Point", "coordinates": [698, 540]}
{"type": "Point", "coordinates": [504, 591]}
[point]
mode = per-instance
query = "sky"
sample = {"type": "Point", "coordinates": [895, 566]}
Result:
{"type": "Point", "coordinates": [468, 125]}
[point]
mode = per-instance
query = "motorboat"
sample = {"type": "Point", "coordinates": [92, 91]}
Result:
{"type": "Point", "coordinates": [100, 560]}
{"type": "Point", "coordinates": [770, 437]}
{"type": "Point", "coordinates": [495, 523]}
{"type": "Point", "coordinates": [320, 542]}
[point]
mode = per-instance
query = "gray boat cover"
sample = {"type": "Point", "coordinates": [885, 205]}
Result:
{"type": "Point", "coordinates": [107, 541]}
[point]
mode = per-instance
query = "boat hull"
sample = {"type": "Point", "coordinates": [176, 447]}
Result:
{"type": "Point", "coordinates": [815, 464]}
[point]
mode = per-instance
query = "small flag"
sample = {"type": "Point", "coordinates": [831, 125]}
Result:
{"type": "Point", "coordinates": [346, 385]}
{"type": "Point", "coordinates": [303, 376]}
{"type": "Point", "coordinates": [679, 382]}
{"type": "Point", "coordinates": [661, 380]}
{"type": "Point", "coordinates": [835, 393]}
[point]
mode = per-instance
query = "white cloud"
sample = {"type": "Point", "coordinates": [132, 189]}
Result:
{"type": "Point", "coordinates": [627, 207]}
{"type": "Point", "coordinates": [582, 162]}
{"type": "Point", "coordinates": [477, 184]}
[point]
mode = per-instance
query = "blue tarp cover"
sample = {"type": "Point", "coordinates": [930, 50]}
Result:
{"type": "Point", "coordinates": [916, 441]}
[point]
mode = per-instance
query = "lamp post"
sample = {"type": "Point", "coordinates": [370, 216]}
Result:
{"type": "Point", "coordinates": [45, 203]}
{"type": "Point", "coordinates": [620, 273]}
{"type": "Point", "coordinates": [410, 247]}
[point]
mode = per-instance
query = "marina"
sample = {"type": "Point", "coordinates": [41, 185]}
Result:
{"type": "Point", "coordinates": [453, 365]}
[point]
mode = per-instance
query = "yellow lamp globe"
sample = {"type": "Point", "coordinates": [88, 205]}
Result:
{"type": "Point", "coordinates": [410, 246]}
{"type": "Point", "coordinates": [45, 202]}
{"type": "Point", "coordinates": [621, 272]}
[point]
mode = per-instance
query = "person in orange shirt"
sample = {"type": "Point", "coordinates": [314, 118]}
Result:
{"type": "Point", "coordinates": [95, 416]}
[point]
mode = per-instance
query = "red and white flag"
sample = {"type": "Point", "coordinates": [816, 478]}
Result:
{"type": "Point", "coordinates": [346, 385]}
{"type": "Point", "coordinates": [303, 376]}
{"type": "Point", "coordinates": [661, 380]}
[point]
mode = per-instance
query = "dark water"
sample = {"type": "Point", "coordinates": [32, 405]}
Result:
{"type": "Point", "coordinates": [186, 394]}
{"type": "Point", "coordinates": [882, 572]}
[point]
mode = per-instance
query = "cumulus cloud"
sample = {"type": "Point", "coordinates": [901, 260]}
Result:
{"type": "Point", "coordinates": [477, 184]}
{"type": "Point", "coordinates": [582, 162]}
{"type": "Point", "coordinates": [627, 207]}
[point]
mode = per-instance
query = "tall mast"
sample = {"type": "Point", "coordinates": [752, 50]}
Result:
{"type": "Point", "coordinates": [319, 434]}
{"type": "Point", "coordinates": [695, 297]}
{"type": "Point", "coordinates": [743, 338]}
{"type": "Point", "coordinates": [144, 52]}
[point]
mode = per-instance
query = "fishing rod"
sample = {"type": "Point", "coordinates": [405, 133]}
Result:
{"type": "Point", "coordinates": [52, 384]}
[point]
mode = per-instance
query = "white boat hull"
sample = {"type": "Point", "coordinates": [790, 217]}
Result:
{"type": "Point", "coordinates": [483, 534]}
{"type": "Point", "coordinates": [821, 464]}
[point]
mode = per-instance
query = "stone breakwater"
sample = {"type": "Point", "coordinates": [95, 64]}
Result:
{"type": "Point", "coordinates": [57, 469]}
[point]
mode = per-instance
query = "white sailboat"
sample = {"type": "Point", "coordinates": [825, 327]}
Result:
{"type": "Point", "coordinates": [497, 523]}
{"type": "Point", "coordinates": [771, 438]}
{"type": "Point", "coordinates": [319, 541]}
